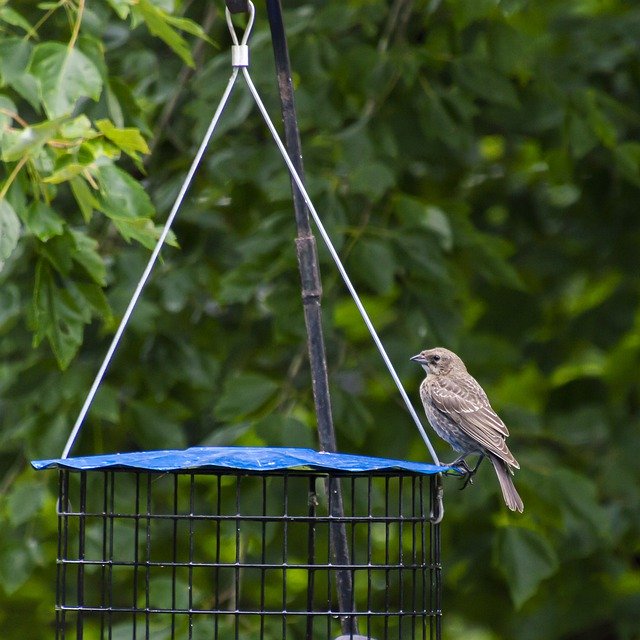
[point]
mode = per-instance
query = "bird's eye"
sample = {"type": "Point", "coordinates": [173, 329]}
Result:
{"type": "Point", "coordinates": [436, 358]}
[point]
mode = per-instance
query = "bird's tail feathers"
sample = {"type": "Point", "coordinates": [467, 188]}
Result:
{"type": "Point", "coordinates": [511, 497]}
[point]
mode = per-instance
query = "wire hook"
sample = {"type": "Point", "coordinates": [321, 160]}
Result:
{"type": "Point", "coordinates": [437, 510]}
{"type": "Point", "coordinates": [240, 49]}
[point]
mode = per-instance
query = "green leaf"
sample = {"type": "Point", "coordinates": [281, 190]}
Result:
{"type": "Point", "coordinates": [599, 121]}
{"type": "Point", "coordinates": [121, 197]}
{"type": "Point", "coordinates": [347, 317]}
{"type": "Point", "coordinates": [284, 431]}
{"type": "Point", "coordinates": [15, 54]}
{"type": "Point", "coordinates": [121, 7]}
{"type": "Point", "coordinates": [56, 316]}
{"type": "Point", "coordinates": [579, 502]}
{"type": "Point", "coordinates": [239, 285]}
{"type": "Point", "coordinates": [159, 24]}
{"type": "Point", "coordinates": [7, 109]}
{"type": "Point", "coordinates": [127, 204]}
{"type": "Point", "coordinates": [9, 231]}
{"type": "Point", "coordinates": [492, 148]}
{"type": "Point", "coordinates": [65, 76]}
{"type": "Point", "coordinates": [27, 86]}
{"type": "Point", "coordinates": [166, 26]}
{"type": "Point", "coordinates": [59, 251]}
{"type": "Point", "coordinates": [185, 24]}
{"type": "Point", "coordinates": [589, 363]}
{"type": "Point", "coordinates": [79, 127]}
{"type": "Point", "coordinates": [129, 139]}
{"type": "Point", "coordinates": [511, 50]}
{"type": "Point", "coordinates": [142, 230]}
{"type": "Point", "coordinates": [580, 135]}
{"type": "Point", "coordinates": [10, 306]}
{"type": "Point", "coordinates": [25, 500]}
{"type": "Point", "coordinates": [490, 255]}
{"type": "Point", "coordinates": [16, 143]}
{"type": "Point", "coordinates": [467, 11]}
{"type": "Point", "coordinates": [372, 179]}
{"type": "Point", "coordinates": [8, 15]}
{"type": "Point", "coordinates": [373, 262]}
{"type": "Point", "coordinates": [14, 58]}
{"type": "Point", "coordinates": [627, 157]}
{"type": "Point", "coordinates": [84, 197]}
{"type": "Point", "coordinates": [582, 293]}
{"type": "Point", "coordinates": [480, 78]}
{"type": "Point", "coordinates": [563, 195]}
{"type": "Point", "coordinates": [592, 430]}
{"type": "Point", "coordinates": [414, 212]}
{"type": "Point", "coordinates": [157, 426]}
{"type": "Point", "coordinates": [87, 292]}
{"type": "Point", "coordinates": [43, 221]}
{"type": "Point", "coordinates": [98, 149]}
{"type": "Point", "coordinates": [87, 256]}
{"type": "Point", "coordinates": [16, 565]}
{"type": "Point", "coordinates": [65, 173]}
{"type": "Point", "coordinates": [106, 404]}
{"type": "Point", "coordinates": [525, 558]}
{"type": "Point", "coordinates": [243, 394]}
{"type": "Point", "coordinates": [438, 123]}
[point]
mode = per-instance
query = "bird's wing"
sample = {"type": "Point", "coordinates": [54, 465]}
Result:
{"type": "Point", "coordinates": [464, 400]}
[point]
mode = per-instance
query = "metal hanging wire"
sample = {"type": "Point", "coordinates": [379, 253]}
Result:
{"type": "Point", "coordinates": [240, 62]}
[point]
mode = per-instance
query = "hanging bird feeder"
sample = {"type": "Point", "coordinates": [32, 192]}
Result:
{"type": "Point", "coordinates": [243, 542]}
{"type": "Point", "coordinates": [235, 542]}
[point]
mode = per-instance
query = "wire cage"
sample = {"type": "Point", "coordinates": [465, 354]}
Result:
{"type": "Point", "coordinates": [223, 543]}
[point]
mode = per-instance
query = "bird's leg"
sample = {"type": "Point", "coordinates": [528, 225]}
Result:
{"type": "Point", "coordinates": [471, 472]}
{"type": "Point", "coordinates": [480, 459]}
{"type": "Point", "coordinates": [460, 462]}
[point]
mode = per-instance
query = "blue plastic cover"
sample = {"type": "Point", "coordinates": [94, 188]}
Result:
{"type": "Point", "coordinates": [238, 458]}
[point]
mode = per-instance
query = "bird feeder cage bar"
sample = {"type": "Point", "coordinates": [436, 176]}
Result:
{"type": "Point", "coordinates": [241, 551]}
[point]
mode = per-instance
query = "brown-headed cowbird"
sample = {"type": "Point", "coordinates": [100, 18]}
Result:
{"type": "Point", "coordinates": [459, 412]}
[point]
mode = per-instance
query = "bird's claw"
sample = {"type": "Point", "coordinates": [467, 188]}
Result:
{"type": "Point", "coordinates": [468, 479]}
{"type": "Point", "coordinates": [468, 471]}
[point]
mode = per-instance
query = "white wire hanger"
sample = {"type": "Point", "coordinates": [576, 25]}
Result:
{"type": "Point", "coordinates": [240, 63]}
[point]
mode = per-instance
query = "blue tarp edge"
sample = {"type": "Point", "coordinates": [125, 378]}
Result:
{"type": "Point", "coordinates": [237, 458]}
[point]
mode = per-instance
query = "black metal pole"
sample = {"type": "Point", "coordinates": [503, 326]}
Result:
{"type": "Point", "coordinates": [311, 299]}
{"type": "Point", "coordinates": [305, 242]}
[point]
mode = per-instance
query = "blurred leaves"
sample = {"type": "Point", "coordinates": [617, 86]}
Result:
{"type": "Point", "coordinates": [525, 558]}
{"type": "Point", "coordinates": [477, 165]}
{"type": "Point", "coordinates": [166, 26]}
{"type": "Point", "coordinates": [57, 315]}
{"type": "Point", "coordinates": [243, 394]}
{"type": "Point", "coordinates": [9, 230]}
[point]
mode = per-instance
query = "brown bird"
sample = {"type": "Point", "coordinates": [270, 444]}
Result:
{"type": "Point", "coordinates": [460, 413]}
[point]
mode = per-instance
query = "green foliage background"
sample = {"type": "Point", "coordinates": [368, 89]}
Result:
{"type": "Point", "coordinates": [478, 166]}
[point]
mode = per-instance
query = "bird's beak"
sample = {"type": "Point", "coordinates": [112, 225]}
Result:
{"type": "Point", "coordinates": [419, 359]}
